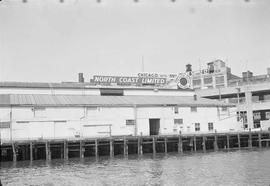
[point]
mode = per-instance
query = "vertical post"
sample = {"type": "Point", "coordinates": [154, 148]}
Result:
{"type": "Point", "coordinates": [125, 146]}
{"type": "Point", "coordinates": [140, 148]}
{"type": "Point", "coordinates": [96, 148]}
{"type": "Point", "coordinates": [260, 139]}
{"type": "Point", "coordinates": [14, 152]}
{"type": "Point", "coordinates": [111, 148]}
{"type": "Point", "coordinates": [249, 139]}
{"type": "Point", "coordinates": [31, 151]}
{"type": "Point", "coordinates": [180, 144]}
{"type": "Point", "coordinates": [65, 150]}
{"type": "Point", "coordinates": [204, 144]}
{"type": "Point", "coordinates": [81, 149]}
{"type": "Point", "coordinates": [228, 141]}
{"type": "Point", "coordinates": [239, 141]}
{"type": "Point", "coordinates": [195, 143]}
{"type": "Point", "coordinates": [165, 144]}
{"type": "Point", "coordinates": [154, 145]}
{"type": "Point", "coordinates": [216, 142]}
{"type": "Point", "coordinates": [48, 154]}
{"type": "Point", "coordinates": [248, 96]}
{"type": "Point", "coordinates": [135, 121]}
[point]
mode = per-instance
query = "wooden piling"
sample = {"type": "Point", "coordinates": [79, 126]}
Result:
{"type": "Point", "coordinates": [96, 148]}
{"type": "Point", "coordinates": [228, 141]}
{"type": "Point", "coordinates": [47, 149]}
{"type": "Point", "coordinates": [239, 141]}
{"type": "Point", "coordinates": [154, 145]}
{"type": "Point", "coordinates": [260, 139]}
{"type": "Point", "coordinates": [165, 145]}
{"type": "Point", "coordinates": [65, 150]}
{"type": "Point", "coordinates": [250, 139]}
{"type": "Point", "coordinates": [111, 148]}
{"type": "Point", "coordinates": [204, 143]}
{"type": "Point", "coordinates": [140, 149]}
{"type": "Point", "coordinates": [82, 149]}
{"type": "Point", "coordinates": [216, 143]}
{"type": "Point", "coordinates": [195, 143]}
{"type": "Point", "coordinates": [31, 151]}
{"type": "Point", "coordinates": [14, 152]}
{"type": "Point", "coordinates": [125, 146]}
{"type": "Point", "coordinates": [180, 144]}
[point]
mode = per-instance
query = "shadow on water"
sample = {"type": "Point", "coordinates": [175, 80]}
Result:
{"type": "Point", "coordinates": [229, 167]}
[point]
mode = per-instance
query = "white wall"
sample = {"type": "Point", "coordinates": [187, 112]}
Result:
{"type": "Point", "coordinates": [93, 122]}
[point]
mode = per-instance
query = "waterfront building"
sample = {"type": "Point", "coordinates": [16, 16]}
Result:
{"type": "Point", "coordinates": [250, 93]}
{"type": "Point", "coordinates": [68, 110]}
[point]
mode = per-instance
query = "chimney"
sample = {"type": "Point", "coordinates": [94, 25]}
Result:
{"type": "Point", "coordinates": [195, 97]}
{"type": "Point", "coordinates": [81, 79]}
{"type": "Point", "coordinates": [188, 68]}
{"type": "Point", "coordinates": [247, 75]}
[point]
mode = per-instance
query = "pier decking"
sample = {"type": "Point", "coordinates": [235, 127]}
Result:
{"type": "Point", "coordinates": [48, 149]}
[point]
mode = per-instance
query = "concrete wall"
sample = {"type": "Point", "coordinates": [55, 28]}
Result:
{"type": "Point", "coordinates": [28, 123]}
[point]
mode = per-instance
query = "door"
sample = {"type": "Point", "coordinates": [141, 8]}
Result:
{"type": "Point", "coordinates": [154, 125]}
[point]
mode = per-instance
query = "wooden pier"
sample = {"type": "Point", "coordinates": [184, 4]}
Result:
{"type": "Point", "coordinates": [124, 145]}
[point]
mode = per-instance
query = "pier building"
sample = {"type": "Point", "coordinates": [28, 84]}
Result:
{"type": "Point", "coordinates": [250, 93]}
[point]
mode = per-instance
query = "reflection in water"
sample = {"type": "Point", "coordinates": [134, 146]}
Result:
{"type": "Point", "coordinates": [219, 168]}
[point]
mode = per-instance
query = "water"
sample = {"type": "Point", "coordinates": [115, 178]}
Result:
{"type": "Point", "coordinates": [216, 168]}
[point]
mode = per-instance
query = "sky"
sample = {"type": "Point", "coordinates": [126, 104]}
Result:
{"type": "Point", "coordinates": [49, 41]}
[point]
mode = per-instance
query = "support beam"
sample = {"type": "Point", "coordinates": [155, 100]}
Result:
{"type": "Point", "coordinates": [111, 148]}
{"type": "Point", "coordinates": [204, 144]}
{"type": "Point", "coordinates": [248, 96]}
{"type": "Point", "coordinates": [180, 144]}
{"type": "Point", "coordinates": [260, 139]}
{"type": "Point", "coordinates": [228, 141]}
{"type": "Point", "coordinates": [96, 148]}
{"type": "Point", "coordinates": [195, 143]}
{"type": "Point", "coordinates": [125, 146]}
{"type": "Point", "coordinates": [216, 143]}
{"type": "Point", "coordinates": [14, 152]}
{"type": "Point", "coordinates": [82, 149]}
{"type": "Point", "coordinates": [250, 139]}
{"type": "Point", "coordinates": [165, 145]}
{"type": "Point", "coordinates": [48, 151]}
{"type": "Point", "coordinates": [154, 145]}
{"type": "Point", "coordinates": [65, 150]}
{"type": "Point", "coordinates": [31, 151]}
{"type": "Point", "coordinates": [239, 141]}
{"type": "Point", "coordinates": [140, 149]}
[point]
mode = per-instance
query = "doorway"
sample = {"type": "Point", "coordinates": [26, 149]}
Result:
{"type": "Point", "coordinates": [154, 126]}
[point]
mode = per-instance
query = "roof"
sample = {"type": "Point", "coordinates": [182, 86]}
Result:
{"type": "Point", "coordinates": [77, 85]}
{"type": "Point", "coordinates": [97, 100]}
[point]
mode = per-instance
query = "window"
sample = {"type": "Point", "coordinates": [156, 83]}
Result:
{"type": "Point", "coordinates": [207, 80]}
{"type": "Point", "coordinates": [176, 111]}
{"type": "Point", "coordinates": [39, 112]}
{"type": "Point", "coordinates": [197, 82]}
{"type": "Point", "coordinates": [257, 115]}
{"type": "Point", "coordinates": [267, 115]}
{"type": "Point", "coordinates": [178, 121]}
{"type": "Point", "coordinates": [220, 80]}
{"type": "Point", "coordinates": [210, 126]}
{"type": "Point", "coordinates": [197, 126]}
{"type": "Point", "coordinates": [4, 124]}
{"type": "Point", "coordinates": [130, 122]}
{"type": "Point", "coordinates": [193, 109]}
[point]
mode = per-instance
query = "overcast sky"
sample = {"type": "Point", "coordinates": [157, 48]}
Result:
{"type": "Point", "coordinates": [44, 40]}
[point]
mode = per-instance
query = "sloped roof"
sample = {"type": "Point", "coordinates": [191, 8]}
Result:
{"type": "Point", "coordinates": [96, 100]}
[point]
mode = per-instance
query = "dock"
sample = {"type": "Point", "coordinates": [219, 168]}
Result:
{"type": "Point", "coordinates": [48, 149]}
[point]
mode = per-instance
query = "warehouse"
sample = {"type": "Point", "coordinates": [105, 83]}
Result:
{"type": "Point", "coordinates": [46, 116]}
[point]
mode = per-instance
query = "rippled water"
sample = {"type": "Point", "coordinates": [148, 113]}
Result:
{"type": "Point", "coordinates": [216, 168]}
